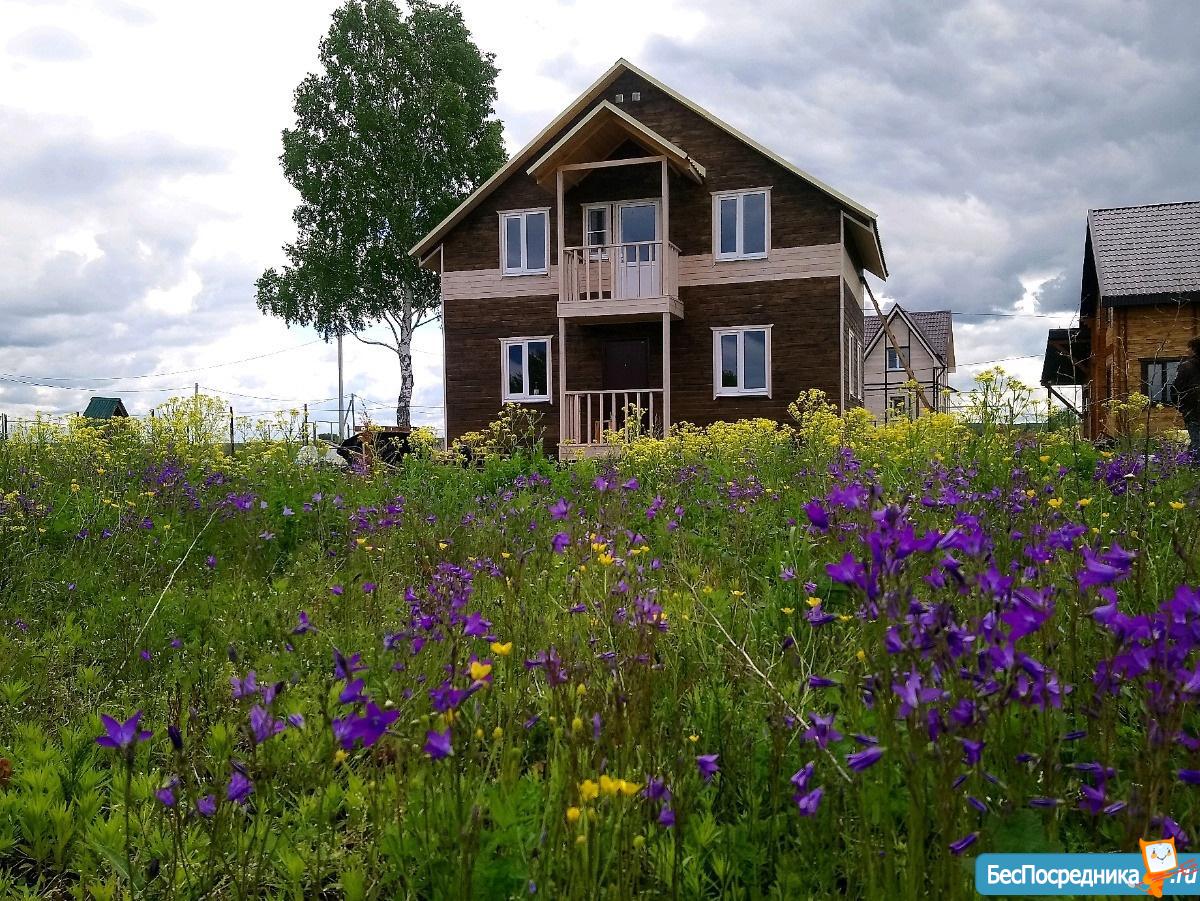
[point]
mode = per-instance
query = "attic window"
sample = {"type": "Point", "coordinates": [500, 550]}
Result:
{"type": "Point", "coordinates": [636, 96]}
{"type": "Point", "coordinates": [620, 98]}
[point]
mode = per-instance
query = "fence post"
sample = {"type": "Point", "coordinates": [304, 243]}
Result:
{"type": "Point", "coordinates": [232, 451]}
{"type": "Point", "coordinates": [306, 423]}
{"type": "Point", "coordinates": [3, 426]}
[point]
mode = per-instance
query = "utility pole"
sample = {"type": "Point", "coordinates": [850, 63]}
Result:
{"type": "Point", "coordinates": [341, 396]}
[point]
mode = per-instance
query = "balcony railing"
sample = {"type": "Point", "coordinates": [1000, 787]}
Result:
{"type": "Point", "coordinates": [592, 415]}
{"type": "Point", "coordinates": [601, 278]}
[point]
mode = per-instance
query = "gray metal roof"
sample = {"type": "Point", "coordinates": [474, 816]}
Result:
{"type": "Point", "coordinates": [936, 327]}
{"type": "Point", "coordinates": [1147, 249]}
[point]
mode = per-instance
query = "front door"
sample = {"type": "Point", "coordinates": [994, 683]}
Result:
{"type": "Point", "coordinates": [626, 364]}
{"type": "Point", "coordinates": [640, 274]}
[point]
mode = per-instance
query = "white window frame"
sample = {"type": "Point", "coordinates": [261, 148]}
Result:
{"type": "Point", "coordinates": [854, 355]}
{"type": "Point", "coordinates": [525, 397]}
{"type": "Point", "coordinates": [739, 253]}
{"type": "Point", "coordinates": [608, 209]}
{"type": "Point", "coordinates": [523, 215]}
{"type": "Point", "coordinates": [887, 358]}
{"type": "Point", "coordinates": [720, 390]}
{"type": "Point", "coordinates": [905, 404]}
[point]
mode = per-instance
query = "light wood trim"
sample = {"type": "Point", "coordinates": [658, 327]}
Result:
{"type": "Point", "coordinates": [666, 377]}
{"type": "Point", "coordinates": [810, 261]}
{"type": "Point", "coordinates": [606, 164]}
{"type": "Point", "coordinates": [602, 84]}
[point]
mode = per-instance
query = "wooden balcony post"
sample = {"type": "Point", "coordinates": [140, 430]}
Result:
{"type": "Point", "coordinates": [562, 380]}
{"type": "Point", "coordinates": [562, 328]}
{"type": "Point", "coordinates": [666, 228]}
{"type": "Point", "coordinates": [666, 374]}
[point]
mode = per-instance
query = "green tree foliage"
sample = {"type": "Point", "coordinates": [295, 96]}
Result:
{"type": "Point", "coordinates": [394, 131]}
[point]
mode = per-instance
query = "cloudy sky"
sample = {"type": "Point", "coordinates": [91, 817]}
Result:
{"type": "Point", "coordinates": [140, 194]}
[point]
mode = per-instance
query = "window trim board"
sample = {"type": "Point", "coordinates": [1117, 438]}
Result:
{"type": "Point", "coordinates": [508, 398]}
{"type": "Point", "coordinates": [718, 390]}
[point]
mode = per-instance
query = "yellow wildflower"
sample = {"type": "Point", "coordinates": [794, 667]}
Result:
{"type": "Point", "coordinates": [501, 650]}
{"type": "Point", "coordinates": [1055, 502]}
{"type": "Point", "coordinates": [605, 559]}
{"type": "Point", "coordinates": [787, 611]}
{"type": "Point", "coordinates": [339, 756]}
{"type": "Point", "coordinates": [497, 733]}
{"type": "Point", "coordinates": [577, 725]}
{"type": "Point", "coordinates": [1084, 501]}
{"type": "Point", "coordinates": [573, 814]}
{"type": "Point", "coordinates": [608, 785]}
{"type": "Point", "coordinates": [1177, 505]}
{"type": "Point", "coordinates": [480, 671]}
{"type": "Point", "coordinates": [813, 601]}
{"type": "Point", "coordinates": [588, 791]}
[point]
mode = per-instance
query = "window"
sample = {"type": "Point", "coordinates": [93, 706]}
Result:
{"type": "Point", "coordinates": [596, 223]}
{"type": "Point", "coordinates": [854, 363]}
{"type": "Point", "coordinates": [526, 368]}
{"type": "Point", "coordinates": [897, 361]}
{"type": "Point", "coordinates": [898, 406]}
{"type": "Point", "coordinates": [525, 242]}
{"type": "Point", "coordinates": [742, 224]}
{"type": "Point", "coordinates": [742, 361]}
{"type": "Point", "coordinates": [1157, 378]}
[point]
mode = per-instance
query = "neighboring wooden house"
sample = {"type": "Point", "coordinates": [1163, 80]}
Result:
{"type": "Point", "coordinates": [105, 408]}
{"type": "Point", "coordinates": [640, 262]}
{"type": "Point", "coordinates": [1139, 306]}
{"type": "Point", "coordinates": [926, 344]}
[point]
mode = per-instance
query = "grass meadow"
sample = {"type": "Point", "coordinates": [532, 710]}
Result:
{"type": "Point", "coordinates": [821, 659]}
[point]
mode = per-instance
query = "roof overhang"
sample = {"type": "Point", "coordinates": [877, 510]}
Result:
{"type": "Point", "coordinates": [596, 136]}
{"type": "Point", "coordinates": [523, 156]}
{"type": "Point", "coordinates": [1067, 353]}
{"type": "Point", "coordinates": [864, 238]}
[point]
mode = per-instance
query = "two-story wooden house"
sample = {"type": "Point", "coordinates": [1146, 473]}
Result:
{"type": "Point", "coordinates": [1139, 306]}
{"type": "Point", "coordinates": [640, 262]}
{"type": "Point", "coordinates": [924, 347]}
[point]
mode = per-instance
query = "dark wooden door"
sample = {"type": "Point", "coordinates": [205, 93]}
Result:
{"type": "Point", "coordinates": [626, 364]}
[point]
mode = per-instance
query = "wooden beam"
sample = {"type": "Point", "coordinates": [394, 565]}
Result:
{"type": "Point", "coordinates": [605, 164]}
{"type": "Point", "coordinates": [666, 355]}
{"type": "Point", "coordinates": [562, 329]}
{"type": "Point", "coordinates": [562, 380]}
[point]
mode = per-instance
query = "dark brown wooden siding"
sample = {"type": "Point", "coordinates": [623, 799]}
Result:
{"type": "Point", "coordinates": [854, 323]}
{"type": "Point", "coordinates": [473, 332]}
{"type": "Point", "coordinates": [800, 213]}
{"type": "Point", "coordinates": [804, 346]}
{"type": "Point", "coordinates": [804, 313]}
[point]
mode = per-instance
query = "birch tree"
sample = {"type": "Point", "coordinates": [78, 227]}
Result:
{"type": "Point", "coordinates": [394, 130]}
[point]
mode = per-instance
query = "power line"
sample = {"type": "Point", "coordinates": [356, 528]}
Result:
{"type": "Point", "coordinates": [151, 375]}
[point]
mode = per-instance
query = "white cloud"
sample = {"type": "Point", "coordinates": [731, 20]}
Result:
{"type": "Point", "coordinates": [141, 193]}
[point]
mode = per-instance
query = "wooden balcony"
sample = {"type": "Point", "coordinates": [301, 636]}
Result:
{"type": "Point", "coordinates": [595, 422]}
{"type": "Point", "coordinates": [630, 281]}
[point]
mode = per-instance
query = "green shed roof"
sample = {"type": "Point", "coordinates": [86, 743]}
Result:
{"type": "Point", "coordinates": [105, 408]}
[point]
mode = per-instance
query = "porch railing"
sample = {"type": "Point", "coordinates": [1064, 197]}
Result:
{"type": "Point", "coordinates": [636, 270]}
{"type": "Point", "coordinates": [590, 415]}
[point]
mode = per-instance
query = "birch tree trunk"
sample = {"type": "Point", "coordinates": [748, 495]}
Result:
{"type": "Point", "coordinates": [404, 352]}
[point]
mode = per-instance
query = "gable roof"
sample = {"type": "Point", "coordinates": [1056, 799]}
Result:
{"type": "Point", "coordinates": [602, 131]}
{"type": "Point", "coordinates": [522, 157]}
{"type": "Point", "coordinates": [933, 328]}
{"type": "Point", "coordinates": [1146, 250]}
{"type": "Point", "coordinates": [105, 408]}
